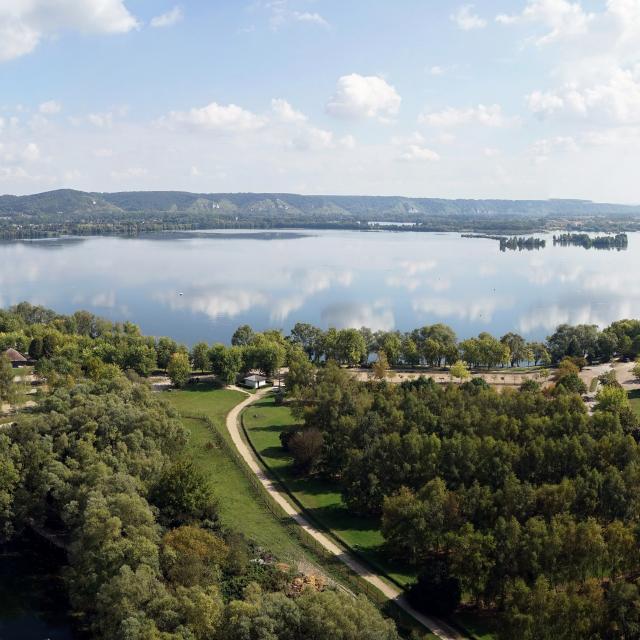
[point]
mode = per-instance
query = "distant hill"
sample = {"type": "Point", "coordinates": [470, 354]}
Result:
{"type": "Point", "coordinates": [68, 202]}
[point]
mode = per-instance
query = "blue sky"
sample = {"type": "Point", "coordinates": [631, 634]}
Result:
{"type": "Point", "coordinates": [504, 99]}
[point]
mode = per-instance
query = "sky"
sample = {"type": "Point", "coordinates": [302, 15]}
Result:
{"type": "Point", "coordinates": [425, 98]}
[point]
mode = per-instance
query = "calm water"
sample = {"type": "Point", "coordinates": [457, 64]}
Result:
{"type": "Point", "coordinates": [32, 596]}
{"type": "Point", "coordinates": [383, 280]}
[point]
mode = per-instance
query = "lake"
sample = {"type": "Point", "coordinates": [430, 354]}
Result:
{"type": "Point", "coordinates": [33, 604]}
{"type": "Point", "coordinates": [201, 286]}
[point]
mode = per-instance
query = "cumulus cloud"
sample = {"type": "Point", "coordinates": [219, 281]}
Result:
{"type": "Point", "coordinates": [359, 96]}
{"type": "Point", "coordinates": [415, 152]}
{"type": "Point", "coordinates": [214, 117]}
{"type": "Point", "coordinates": [545, 147]}
{"type": "Point", "coordinates": [306, 16]}
{"type": "Point", "coordinates": [285, 112]}
{"type": "Point", "coordinates": [168, 19]}
{"type": "Point", "coordinates": [31, 152]}
{"type": "Point", "coordinates": [23, 25]}
{"type": "Point", "coordinates": [50, 107]}
{"type": "Point", "coordinates": [466, 19]}
{"type": "Point", "coordinates": [561, 18]}
{"type": "Point", "coordinates": [615, 99]}
{"type": "Point", "coordinates": [282, 14]}
{"type": "Point", "coordinates": [486, 115]}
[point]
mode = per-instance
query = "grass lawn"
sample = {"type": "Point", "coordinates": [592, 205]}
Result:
{"type": "Point", "coordinates": [634, 400]}
{"type": "Point", "coordinates": [240, 509]}
{"type": "Point", "coordinates": [264, 421]}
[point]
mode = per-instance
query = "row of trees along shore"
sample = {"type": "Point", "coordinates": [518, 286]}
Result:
{"type": "Point", "coordinates": [68, 347]}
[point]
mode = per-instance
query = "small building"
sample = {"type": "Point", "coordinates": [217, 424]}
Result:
{"type": "Point", "coordinates": [255, 382]}
{"type": "Point", "coordinates": [16, 358]}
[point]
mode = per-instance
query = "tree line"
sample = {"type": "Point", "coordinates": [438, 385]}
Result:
{"type": "Point", "coordinates": [81, 344]}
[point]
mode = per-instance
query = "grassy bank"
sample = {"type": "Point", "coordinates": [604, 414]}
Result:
{"type": "Point", "coordinates": [634, 400]}
{"type": "Point", "coordinates": [239, 508]}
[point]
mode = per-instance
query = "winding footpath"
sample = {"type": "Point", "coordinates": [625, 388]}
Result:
{"type": "Point", "coordinates": [437, 627]}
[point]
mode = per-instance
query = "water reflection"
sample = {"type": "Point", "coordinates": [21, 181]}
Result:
{"type": "Point", "coordinates": [384, 280]}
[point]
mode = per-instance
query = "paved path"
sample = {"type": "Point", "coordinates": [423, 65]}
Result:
{"type": "Point", "coordinates": [439, 628]}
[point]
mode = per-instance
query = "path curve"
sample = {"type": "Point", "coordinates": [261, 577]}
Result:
{"type": "Point", "coordinates": [438, 627]}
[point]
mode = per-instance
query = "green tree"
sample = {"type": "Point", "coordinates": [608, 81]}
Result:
{"type": "Point", "coordinates": [460, 371]}
{"type": "Point", "coordinates": [179, 369]}
{"type": "Point", "coordinates": [380, 367]}
{"type": "Point", "coordinates": [192, 556]}
{"type": "Point", "coordinates": [226, 362]}
{"type": "Point", "coordinates": [165, 348]}
{"type": "Point", "coordinates": [200, 356]}
{"type": "Point", "coordinates": [183, 495]}
{"type": "Point", "coordinates": [36, 348]}
{"type": "Point", "coordinates": [243, 336]}
{"type": "Point", "coordinates": [8, 387]}
{"type": "Point", "coordinates": [300, 374]}
{"type": "Point", "coordinates": [350, 347]}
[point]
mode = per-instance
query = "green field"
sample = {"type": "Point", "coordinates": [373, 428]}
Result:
{"type": "Point", "coordinates": [240, 508]}
{"type": "Point", "coordinates": [263, 422]}
{"type": "Point", "coordinates": [634, 400]}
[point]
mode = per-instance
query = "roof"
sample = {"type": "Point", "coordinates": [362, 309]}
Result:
{"type": "Point", "coordinates": [255, 378]}
{"type": "Point", "coordinates": [14, 356]}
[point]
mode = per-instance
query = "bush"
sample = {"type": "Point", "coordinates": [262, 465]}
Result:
{"type": "Point", "coordinates": [306, 446]}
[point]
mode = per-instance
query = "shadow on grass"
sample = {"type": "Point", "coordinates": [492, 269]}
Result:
{"type": "Point", "coordinates": [203, 386]}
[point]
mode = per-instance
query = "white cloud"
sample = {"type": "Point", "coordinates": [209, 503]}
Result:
{"type": "Point", "coordinates": [50, 107]}
{"type": "Point", "coordinates": [309, 138]}
{"type": "Point", "coordinates": [282, 14]}
{"type": "Point", "coordinates": [615, 99]}
{"type": "Point", "coordinates": [101, 120]}
{"type": "Point", "coordinates": [437, 70]}
{"type": "Point", "coordinates": [486, 115]}
{"type": "Point", "coordinates": [306, 16]}
{"type": "Point", "coordinates": [563, 19]}
{"type": "Point", "coordinates": [25, 23]}
{"type": "Point", "coordinates": [216, 118]}
{"type": "Point", "coordinates": [285, 112]}
{"type": "Point", "coordinates": [415, 152]}
{"type": "Point", "coordinates": [544, 148]}
{"type": "Point", "coordinates": [129, 173]}
{"type": "Point", "coordinates": [168, 19]}
{"type": "Point", "coordinates": [359, 96]}
{"type": "Point", "coordinates": [31, 152]}
{"type": "Point", "coordinates": [466, 19]}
